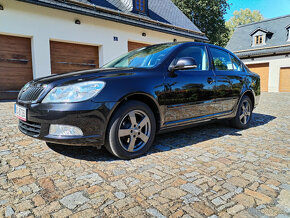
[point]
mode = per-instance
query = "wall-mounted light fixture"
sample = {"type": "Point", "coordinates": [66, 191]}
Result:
{"type": "Point", "coordinates": [174, 40]}
{"type": "Point", "coordinates": [144, 34]}
{"type": "Point", "coordinates": [78, 22]}
{"type": "Point", "coordinates": [1, 7]}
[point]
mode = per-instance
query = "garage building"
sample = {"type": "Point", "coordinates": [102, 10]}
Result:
{"type": "Point", "coordinates": [265, 48]}
{"type": "Point", "coordinates": [43, 37]}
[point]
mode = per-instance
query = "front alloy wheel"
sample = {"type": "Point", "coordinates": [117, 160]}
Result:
{"type": "Point", "coordinates": [134, 130]}
{"type": "Point", "coordinates": [131, 130]}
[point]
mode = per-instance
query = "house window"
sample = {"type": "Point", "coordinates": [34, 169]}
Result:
{"type": "Point", "coordinates": [140, 5]}
{"type": "Point", "coordinates": [258, 40]}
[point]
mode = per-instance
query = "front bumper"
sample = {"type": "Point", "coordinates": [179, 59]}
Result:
{"type": "Point", "coordinates": [91, 117]}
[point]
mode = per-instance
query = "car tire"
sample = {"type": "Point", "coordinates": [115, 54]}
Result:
{"type": "Point", "coordinates": [131, 130]}
{"type": "Point", "coordinates": [244, 114]}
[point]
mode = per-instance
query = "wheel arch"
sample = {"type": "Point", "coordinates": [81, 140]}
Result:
{"type": "Point", "coordinates": [143, 97]}
{"type": "Point", "coordinates": [251, 95]}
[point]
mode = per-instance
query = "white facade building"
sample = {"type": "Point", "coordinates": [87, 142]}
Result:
{"type": "Point", "coordinates": [265, 48]}
{"type": "Point", "coordinates": [43, 30]}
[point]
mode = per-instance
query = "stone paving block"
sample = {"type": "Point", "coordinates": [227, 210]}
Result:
{"type": "Point", "coordinates": [191, 188]}
{"type": "Point", "coordinates": [218, 201]}
{"type": "Point", "coordinates": [246, 200]}
{"type": "Point", "coordinates": [235, 209]}
{"type": "Point", "coordinates": [172, 193]}
{"type": "Point", "coordinates": [263, 199]}
{"type": "Point", "coordinates": [18, 173]}
{"type": "Point", "coordinates": [9, 211]}
{"type": "Point", "coordinates": [120, 195]}
{"type": "Point", "coordinates": [154, 212]}
{"type": "Point", "coordinates": [284, 200]}
{"type": "Point", "coordinates": [74, 200]}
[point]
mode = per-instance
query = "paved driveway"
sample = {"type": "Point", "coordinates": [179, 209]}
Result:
{"type": "Point", "coordinates": [203, 171]}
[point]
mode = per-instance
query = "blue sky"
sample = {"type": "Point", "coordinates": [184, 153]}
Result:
{"type": "Point", "coordinates": [268, 8]}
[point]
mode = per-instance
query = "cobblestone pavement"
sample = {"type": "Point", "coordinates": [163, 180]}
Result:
{"type": "Point", "coordinates": [206, 171]}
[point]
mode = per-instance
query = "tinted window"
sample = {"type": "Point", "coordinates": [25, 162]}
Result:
{"type": "Point", "coordinates": [236, 64]}
{"type": "Point", "coordinates": [198, 53]}
{"type": "Point", "coordinates": [221, 59]}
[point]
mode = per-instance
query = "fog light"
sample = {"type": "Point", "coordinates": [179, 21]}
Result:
{"type": "Point", "coordinates": [65, 130]}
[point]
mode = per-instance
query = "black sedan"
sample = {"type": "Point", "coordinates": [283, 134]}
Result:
{"type": "Point", "coordinates": [126, 102]}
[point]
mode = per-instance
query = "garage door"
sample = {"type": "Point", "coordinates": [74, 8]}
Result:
{"type": "Point", "coordinates": [68, 57]}
{"type": "Point", "coordinates": [15, 65]}
{"type": "Point", "coordinates": [284, 80]}
{"type": "Point", "coordinates": [263, 71]}
{"type": "Point", "coordinates": [135, 45]}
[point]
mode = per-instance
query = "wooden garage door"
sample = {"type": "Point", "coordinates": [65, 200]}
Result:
{"type": "Point", "coordinates": [135, 45]}
{"type": "Point", "coordinates": [263, 71]}
{"type": "Point", "coordinates": [69, 57]}
{"type": "Point", "coordinates": [15, 65]}
{"type": "Point", "coordinates": [284, 80]}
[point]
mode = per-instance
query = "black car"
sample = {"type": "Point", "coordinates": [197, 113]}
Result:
{"type": "Point", "coordinates": [126, 102]}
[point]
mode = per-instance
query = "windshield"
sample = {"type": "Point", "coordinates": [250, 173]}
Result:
{"type": "Point", "coordinates": [147, 57]}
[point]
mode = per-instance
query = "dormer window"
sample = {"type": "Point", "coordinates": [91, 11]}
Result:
{"type": "Point", "coordinates": [260, 36]}
{"type": "Point", "coordinates": [140, 5]}
{"type": "Point", "coordinates": [259, 40]}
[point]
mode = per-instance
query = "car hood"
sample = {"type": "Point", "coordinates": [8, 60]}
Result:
{"type": "Point", "coordinates": [86, 75]}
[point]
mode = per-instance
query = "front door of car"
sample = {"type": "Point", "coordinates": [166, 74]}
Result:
{"type": "Point", "coordinates": [188, 93]}
{"type": "Point", "coordinates": [230, 76]}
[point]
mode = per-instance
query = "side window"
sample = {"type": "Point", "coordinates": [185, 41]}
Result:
{"type": "Point", "coordinates": [198, 53]}
{"type": "Point", "coordinates": [236, 64]}
{"type": "Point", "coordinates": [221, 59]}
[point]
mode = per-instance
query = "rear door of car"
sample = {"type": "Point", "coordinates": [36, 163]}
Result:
{"type": "Point", "coordinates": [230, 75]}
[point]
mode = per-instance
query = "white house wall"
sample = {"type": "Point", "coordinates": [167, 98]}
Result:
{"type": "Point", "coordinates": [43, 24]}
{"type": "Point", "coordinates": [275, 63]}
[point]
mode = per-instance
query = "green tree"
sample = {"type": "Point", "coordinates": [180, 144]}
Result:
{"type": "Point", "coordinates": [208, 16]}
{"type": "Point", "coordinates": [243, 17]}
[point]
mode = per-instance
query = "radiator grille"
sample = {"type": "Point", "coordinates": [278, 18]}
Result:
{"type": "Point", "coordinates": [31, 94]}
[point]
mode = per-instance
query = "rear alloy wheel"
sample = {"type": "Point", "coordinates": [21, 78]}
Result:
{"type": "Point", "coordinates": [244, 114]}
{"type": "Point", "coordinates": [131, 130]}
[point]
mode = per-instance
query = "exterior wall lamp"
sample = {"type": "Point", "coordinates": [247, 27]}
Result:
{"type": "Point", "coordinates": [78, 22]}
{"type": "Point", "coordinates": [144, 34]}
{"type": "Point", "coordinates": [1, 7]}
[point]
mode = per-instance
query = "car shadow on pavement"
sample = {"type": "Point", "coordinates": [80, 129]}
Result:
{"type": "Point", "coordinates": [165, 141]}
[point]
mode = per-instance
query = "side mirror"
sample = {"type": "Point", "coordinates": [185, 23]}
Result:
{"type": "Point", "coordinates": [184, 63]}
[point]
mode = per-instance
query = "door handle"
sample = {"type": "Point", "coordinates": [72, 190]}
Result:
{"type": "Point", "coordinates": [210, 80]}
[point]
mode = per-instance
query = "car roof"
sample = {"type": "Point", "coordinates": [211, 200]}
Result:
{"type": "Point", "coordinates": [206, 44]}
{"type": "Point", "coordinates": [181, 44]}
{"type": "Point", "coordinates": [193, 43]}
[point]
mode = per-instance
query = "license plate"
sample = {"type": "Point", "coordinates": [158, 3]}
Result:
{"type": "Point", "coordinates": [20, 112]}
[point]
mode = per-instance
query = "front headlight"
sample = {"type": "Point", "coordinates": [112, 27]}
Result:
{"type": "Point", "coordinates": [74, 93]}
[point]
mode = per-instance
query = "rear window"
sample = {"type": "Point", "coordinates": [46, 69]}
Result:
{"type": "Point", "coordinates": [221, 59]}
{"type": "Point", "coordinates": [237, 65]}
